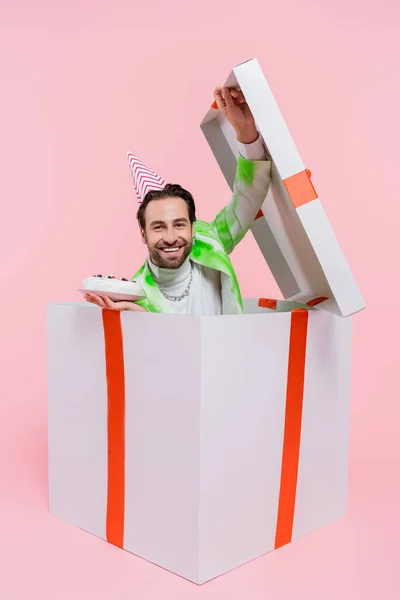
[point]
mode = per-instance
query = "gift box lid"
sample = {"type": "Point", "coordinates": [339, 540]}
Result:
{"type": "Point", "coordinates": [292, 229]}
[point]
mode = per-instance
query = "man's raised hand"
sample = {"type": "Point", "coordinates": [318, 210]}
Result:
{"type": "Point", "coordinates": [234, 107]}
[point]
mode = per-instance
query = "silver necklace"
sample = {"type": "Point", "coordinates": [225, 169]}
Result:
{"type": "Point", "coordinates": [185, 293]}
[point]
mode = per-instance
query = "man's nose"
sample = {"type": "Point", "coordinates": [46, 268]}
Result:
{"type": "Point", "coordinates": [170, 236]}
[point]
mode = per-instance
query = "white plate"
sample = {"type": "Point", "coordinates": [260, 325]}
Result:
{"type": "Point", "coordinates": [112, 295]}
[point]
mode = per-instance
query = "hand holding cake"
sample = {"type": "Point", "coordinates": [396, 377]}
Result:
{"type": "Point", "coordinates": [106, 302]}
{"type": "Point", "coordinates": [111, 293]}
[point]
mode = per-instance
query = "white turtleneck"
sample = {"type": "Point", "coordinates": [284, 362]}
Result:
{"type": "Point", "coordinates": [204, 296]}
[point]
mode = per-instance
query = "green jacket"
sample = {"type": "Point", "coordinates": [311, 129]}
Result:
{"type": "Point", "coordinates": [213, 242]}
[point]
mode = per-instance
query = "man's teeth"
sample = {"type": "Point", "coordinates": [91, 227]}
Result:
{"type": "Point", "coordinates": [171, 249]}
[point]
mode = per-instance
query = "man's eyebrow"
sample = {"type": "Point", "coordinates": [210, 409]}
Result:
{"type": "Point", "coordinates": [156, 223]}
{"type": "Point", "coordinates": [159, 222]}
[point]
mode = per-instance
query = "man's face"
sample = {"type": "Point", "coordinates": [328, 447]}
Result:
{"type": "Point", "coordinates": [168, 233]}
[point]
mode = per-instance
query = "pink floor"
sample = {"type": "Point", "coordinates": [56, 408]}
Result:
{"type": "Point", "coordinates": [44, 559]}
{"type": "Point", "coordinates": [357, 557]}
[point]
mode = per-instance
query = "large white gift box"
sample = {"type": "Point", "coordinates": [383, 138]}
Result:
{"type": "Point", "coordinates": [200, 443]}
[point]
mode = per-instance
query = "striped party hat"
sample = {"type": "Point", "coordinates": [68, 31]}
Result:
{"type": "Point", "coordinates": [144, 179]}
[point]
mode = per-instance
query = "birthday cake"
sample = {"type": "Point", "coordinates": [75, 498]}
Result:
{"type": "Point", "coordinates": [115, 289]}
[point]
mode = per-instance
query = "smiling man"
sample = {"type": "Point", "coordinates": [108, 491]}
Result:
{"type": "Point", "coordinates": [188, 270]}
{"type": "Point", "coordinates": [167, 226]}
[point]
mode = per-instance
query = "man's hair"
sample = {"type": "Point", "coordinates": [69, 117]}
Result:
{"type": "Point", "coordinates": [169, 191]}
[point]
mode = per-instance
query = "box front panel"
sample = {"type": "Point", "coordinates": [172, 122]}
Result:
{"type": "Point", "coordinates": [162, 439]}
{"type": "Point", "coordinates": [322, 472]}
{"type": "Point", "coordinates": [244, 380]}
{"type": "Point", "coordinates": [77, 416]}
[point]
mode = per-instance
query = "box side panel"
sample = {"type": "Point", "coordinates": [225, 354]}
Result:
{"type": "Point", "coordinates": [269, 119]}
{"type": "Point", "coordinates": [286, 228]}
{"type": "Point", "coordinates": [271, 238]}
{"type": "Point", "coordinates": [244, 376]}
{"type": "Point", "coordinates": [162, 371]}
{"type": "Point", "coordinates": [331, 258]}
{"type": "Point", "coordinates": [322, 477]}
{"type": "Point", "coordinates": [77, 416]}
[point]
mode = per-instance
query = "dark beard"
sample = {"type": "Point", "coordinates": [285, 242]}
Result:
{"type": "Point", "coordinates": [159, 260]}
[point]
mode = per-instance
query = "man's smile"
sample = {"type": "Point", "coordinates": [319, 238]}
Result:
{"type": "Point", "coordinates": [171, 249]}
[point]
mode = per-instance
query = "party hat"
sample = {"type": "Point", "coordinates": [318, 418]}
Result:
{"type": "Point", "coordinates": [144, 179]}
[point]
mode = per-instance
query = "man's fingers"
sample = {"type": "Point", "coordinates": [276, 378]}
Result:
{"type": "Point", "coordinates": [239, 97]}
{"type": "Point", "coordinates": [219, 98]}
{"type": "Point", "coordinates": [230, 103]}
{"type": "Point", "coordinates": [108, 303]}
{"type": "Point", "coordinates": [116, 305]}
{"type": "Point", "coordinates": [98, 300]}
{"type": "Point", "coordinates": [91, 298]}
{"type": "Point", "coordinates": [228, 97]}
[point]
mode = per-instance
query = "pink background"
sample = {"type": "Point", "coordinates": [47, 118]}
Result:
{"type": "Point", "coordinates": [81, 83]}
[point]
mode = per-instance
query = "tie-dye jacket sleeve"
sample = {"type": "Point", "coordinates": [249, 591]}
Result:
{"type": "Point", "coordinates": [249, 192]}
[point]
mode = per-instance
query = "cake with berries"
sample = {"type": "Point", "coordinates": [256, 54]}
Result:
{"type": "Point", "coordinates": [115, 289]}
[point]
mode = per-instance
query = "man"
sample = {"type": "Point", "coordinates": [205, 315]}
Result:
{"type": "Point", "coordinates": [188, 270]}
